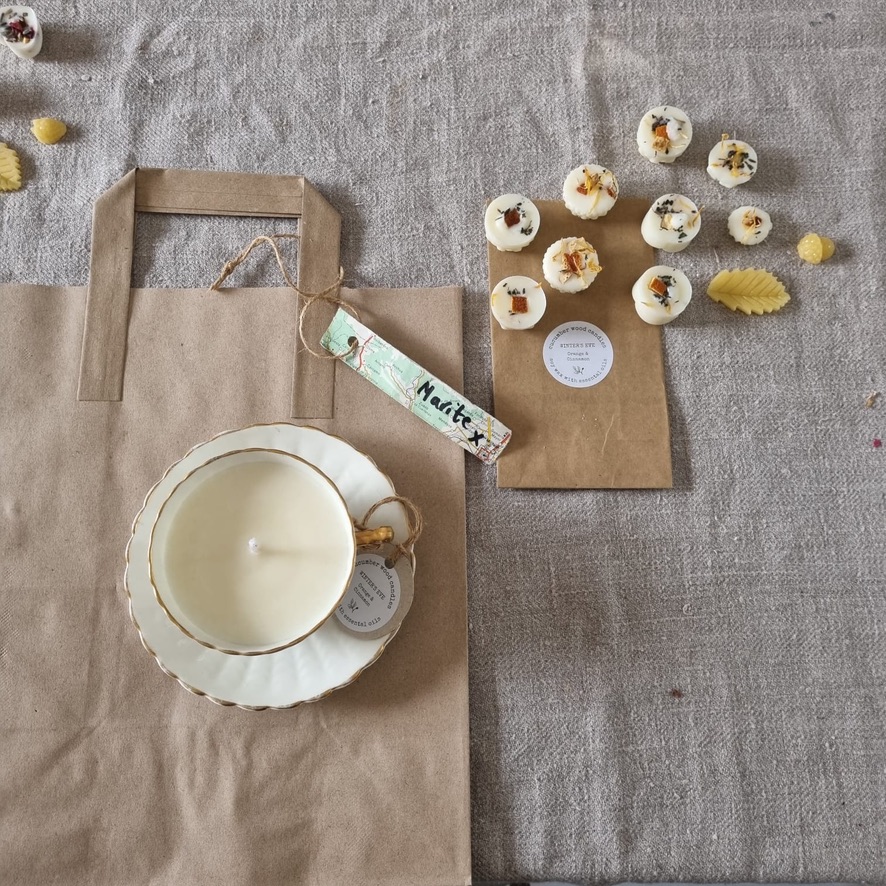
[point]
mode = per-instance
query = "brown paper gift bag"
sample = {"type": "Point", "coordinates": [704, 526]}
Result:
{"type": "Point", "coordinates": [609, 436]}
{"type": "Point", "coordinates": [112, 773]}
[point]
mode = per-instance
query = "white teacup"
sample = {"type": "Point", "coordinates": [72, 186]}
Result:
{"type": "Point", "coordinates": [252, 551]}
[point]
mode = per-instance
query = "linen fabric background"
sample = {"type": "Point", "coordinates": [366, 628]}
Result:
{"type": "Point", "coordinates": [682, 684]}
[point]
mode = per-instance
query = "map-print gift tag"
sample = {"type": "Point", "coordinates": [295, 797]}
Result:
{"type": "Point", "coordinates": [414, 388]}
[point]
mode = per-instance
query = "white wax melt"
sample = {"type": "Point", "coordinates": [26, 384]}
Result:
{"type": "Point", "coordinates": [664, 134]}
{"type": "Point", "coordinates": [590, 191]}
{"type": "Point", "coordinates": [732, 162]}
{"type": "Point", "coordinates": [672, 223]}
{"type": "Point", "coordinates": [21, 31]}
{"type": "Point", "coordinates": [661, 294]}
{"type": "Point", "coordinates": [518, 302]}
{"type": "Point", "coordinates": [749, 225]}
{"type": "Point", "coordinates": [570, 264]}
{"type": "Point", "coordinates": [511, 222]}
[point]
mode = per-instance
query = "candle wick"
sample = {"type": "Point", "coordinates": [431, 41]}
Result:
{"type": "Point", "coordinates": [253, 545]}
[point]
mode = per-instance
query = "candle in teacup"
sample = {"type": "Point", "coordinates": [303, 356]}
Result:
{"type": "Point", "coordinates": [252, 551]}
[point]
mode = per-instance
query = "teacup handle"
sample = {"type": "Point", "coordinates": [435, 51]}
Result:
{"type": "Point", "coordinates": [367, 537]}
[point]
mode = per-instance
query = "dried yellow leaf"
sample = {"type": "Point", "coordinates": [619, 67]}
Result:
{"type": "Point", "coordinates": [815, 249]}
{"type": "Point", "coordinates": [749, 290]}
{"type": "Point", "coordinates": [48, 130]}
{"type": "Point", "coordinates": [10, 170]}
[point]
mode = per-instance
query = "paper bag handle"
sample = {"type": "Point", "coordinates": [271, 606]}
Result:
{"type": "Point", "coordinates": [191, 192]}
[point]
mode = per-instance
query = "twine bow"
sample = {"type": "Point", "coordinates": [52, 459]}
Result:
{"type": "Point", "coordinates": [414, 523]}
{"type": "Point", "coordinates": [329, 295]}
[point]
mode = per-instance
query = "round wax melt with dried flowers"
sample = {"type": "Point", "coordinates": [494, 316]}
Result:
{"type": "Point", "coordinates": [661, 294]}
{"type": "Point", "coordinates": [511, 222]}
{"type": "Point", "coordinates": [732, 162]}
{"type": "Point", "coordinates": [518, 302]}
{"type": "Point", "coordinates": [590, 191]}
{"type": "Point", "coordinates": [672, 223]}
{"type": "Point", "coordinates": [664, 134]}
{"type": "Point", "coordinates": [571, 264]}
{"type": "Point", "coordinates": [21, 31]}
{"type": "Point", "coordinates": [749, 225]}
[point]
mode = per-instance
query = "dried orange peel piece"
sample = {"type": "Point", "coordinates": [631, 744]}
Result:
{"type": "Point", "coordinates": [10, 169]}
{"type": "Point", "coordinates": [519, 304]}
{"type": "Point", "coordinates": [658, 286]}
{"type": "Point", "coordinates": [749, 290]}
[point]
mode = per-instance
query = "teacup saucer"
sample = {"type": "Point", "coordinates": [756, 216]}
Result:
{"type": "Point", "coordinates": [328, 659]}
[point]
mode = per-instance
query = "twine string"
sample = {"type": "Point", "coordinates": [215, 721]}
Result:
{"type": "Point", "coordinates": [235, 262]}
{"type": "Point", "coordinates": [414, 522]}
{"type": "Point", "coordinates": [329, 295]}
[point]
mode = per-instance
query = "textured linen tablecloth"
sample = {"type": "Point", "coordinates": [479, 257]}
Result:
{"type": "Point", "coordinates": [685, 684]}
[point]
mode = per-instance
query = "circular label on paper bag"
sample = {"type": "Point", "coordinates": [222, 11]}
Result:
{"type": "Point", "coordinates": [378, 597]}
{"type": "Point", "coordinates": [578, 354]}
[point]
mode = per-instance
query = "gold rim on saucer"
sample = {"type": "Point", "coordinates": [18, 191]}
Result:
{"type": "Point", "coordinates": [216, 699]}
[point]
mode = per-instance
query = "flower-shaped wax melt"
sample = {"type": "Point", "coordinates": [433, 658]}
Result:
{"type": "Point", "coordinates": [48, 130]}
{"type": "Point", "coordinates": [815, 249]}
{"type": "Point", "coordinates": [590, 191]}
{"type": "Point", "coordinates": [570, 264]}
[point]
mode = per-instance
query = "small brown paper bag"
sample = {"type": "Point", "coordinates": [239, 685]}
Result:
{"type": "Point", "coordinates": [614, 434]}
{"type": "Point", "coordinates": [112, 773]}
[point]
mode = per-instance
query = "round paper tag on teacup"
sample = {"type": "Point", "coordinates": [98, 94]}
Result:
{"type": "Point", "coordinates": [379, 595]}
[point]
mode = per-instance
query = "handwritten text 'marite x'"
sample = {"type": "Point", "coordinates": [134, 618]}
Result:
{"type": "Point", "coordinates": [455, 411]}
